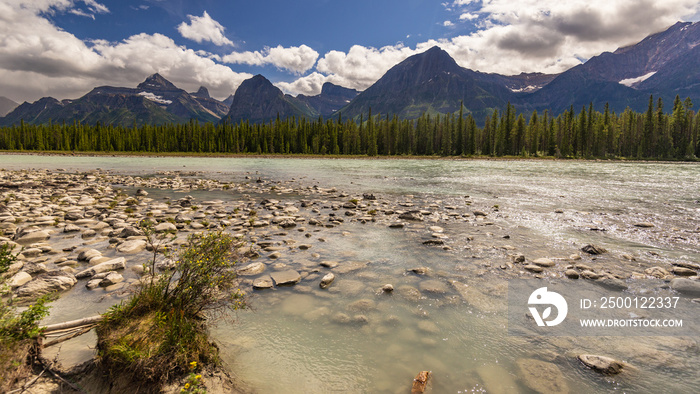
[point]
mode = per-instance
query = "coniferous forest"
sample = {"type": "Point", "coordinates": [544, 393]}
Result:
{"type": "Point", "coordinates": [582, 133]}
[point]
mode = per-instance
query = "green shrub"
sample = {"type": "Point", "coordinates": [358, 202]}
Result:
{"type": "Point", "coordinates": [161, 329]}
{"type": "Point", "coordinates": [18, 332]}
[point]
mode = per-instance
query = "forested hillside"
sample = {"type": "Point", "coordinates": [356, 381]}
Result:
{"type": "Point", "coordinates": [582, 133]}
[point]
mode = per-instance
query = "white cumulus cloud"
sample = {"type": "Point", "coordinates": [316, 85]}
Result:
{"type": "Point", "coordinates": [547, 36]}
{"type": "Point", "coordinates": [38, 59]}
{"type": "Point", "coordinates": [295, 59]}
{"type": "Point", "coordinates": [204, 28]}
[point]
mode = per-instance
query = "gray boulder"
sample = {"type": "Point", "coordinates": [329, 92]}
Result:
{"type": "Point", "coordinates": [50, 282]}
{"type": "Point", "coordinates": [133, 246]}
{"type": "Point", "coordinates": [111, 265]}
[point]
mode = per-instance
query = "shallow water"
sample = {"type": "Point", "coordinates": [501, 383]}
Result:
{"type": "Point", "coordinates": [293, 340]}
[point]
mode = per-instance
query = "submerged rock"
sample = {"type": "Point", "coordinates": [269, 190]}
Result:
{"type": "Point", "coordinates": [363, 305]}
{"type": "Point", "coordinates": [686, 286]}
{"type": "Point", "coordinates": [252, 269]}
{"type": "Point", "coordinates": [612, 284]}
{"type": "Point", "coordinates": [497, 379]}
{"type": "Point", "coordinates": [420, 270]}
{"type": "Point", "coordinates": [328, 264]}
{"type": "Point", "coordinates": [602, 364]}
{"type": "Point", "coordinates": [541, 376]}
{"type": "Point", "coordinates": [433, 286]}
{"type": "Point", "coordinates": [263, 283]}
{"type": "Point", "coordinates": [593, 249]}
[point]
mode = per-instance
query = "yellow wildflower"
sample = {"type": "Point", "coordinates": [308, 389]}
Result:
{"type": "Point", "coordinates": [198, 377]}
{"type": "Point", "coordinates": [187, 386]}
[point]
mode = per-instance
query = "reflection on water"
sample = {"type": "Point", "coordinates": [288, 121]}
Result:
{"type": "Point", "coordinates": [353, 337]}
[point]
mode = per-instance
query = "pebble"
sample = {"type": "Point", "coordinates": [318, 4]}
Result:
{"type": "Point", "coordinates": [263, 283]}
{"type": "Point", "coordinates": [533, 268]}
{"type": "Point", "coordinates": [327, 280]}
{"type": "Point", "coordinates": [543, 262]}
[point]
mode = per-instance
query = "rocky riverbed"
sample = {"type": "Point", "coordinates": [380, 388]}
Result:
{"type": "Point", "coordinates": [78, 235]}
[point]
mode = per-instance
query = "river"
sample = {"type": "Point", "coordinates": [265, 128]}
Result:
{"type": "Point", "coordinates": [355, 338]}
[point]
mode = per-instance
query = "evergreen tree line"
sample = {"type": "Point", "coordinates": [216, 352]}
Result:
{"type": "Point", "coordinates": [653, 134]}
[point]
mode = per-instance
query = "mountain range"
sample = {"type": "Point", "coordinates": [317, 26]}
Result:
{"type": "Point", "coordinates": [663, 64]}
{"type": "Point", "coordinates": [6, 105]}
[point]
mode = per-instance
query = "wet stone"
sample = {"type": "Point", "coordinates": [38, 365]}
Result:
{"type": "Point", "coordinates": [327, 280]}
{"type": "Point", "coordinates": [593, 249]}
{"type": "Point", "coordinates": [542, 377]}
{"type": "Point", "coordinates": [602, 364]}
{"type": "Point", "coordinates": [329, 264]}
{"type": "Point", "coordinates": [263, 283]}
{"type": "Point", "coordinates": [612, 284]}
{"type": "Point", "coordinates": [544, 262]}
{"type": "Point", "coordinates": [682, 271]}
{"type": "Point", "coordinates": [686, 286]}
{"type": "Point", "coordinates": [533, 268]}
{"type": "Point", "coordinates": [363, 305]}
{"type": "Point", "coordinates": [433, 286]}
{"type": "Point", "coordinates": [286, 278]}
{"type": "Point", "coordinates": [252, 269]}
{"type": "Point", "coordinates": [588, 274]}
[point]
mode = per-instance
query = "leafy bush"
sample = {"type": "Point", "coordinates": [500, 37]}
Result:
{"type": "Point", "coordinates": [18, 332]}
{"type": "Point", "coordinates": [159, 331]}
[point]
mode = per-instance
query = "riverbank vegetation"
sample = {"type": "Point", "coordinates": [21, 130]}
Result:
{"type": "Point", "coordinates": [582, 133]}
{"type": "Point", "coordinates": [160, 333]}
{"type": "Point", "coordinates": [18, 331]}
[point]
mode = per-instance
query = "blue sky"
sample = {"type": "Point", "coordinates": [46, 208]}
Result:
{"type": "Point", "coordinates": [64, 48]}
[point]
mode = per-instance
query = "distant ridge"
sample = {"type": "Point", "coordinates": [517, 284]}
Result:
{"type": "Point", "coordinates": [6, 105]}
{"type": "Point", "coordinates": [154, 101]}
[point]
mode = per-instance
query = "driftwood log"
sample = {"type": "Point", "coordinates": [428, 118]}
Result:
{"type": "Point", "coordinates": [73, 324]}
{"type": "Point", "coordinates": [420, 383]}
